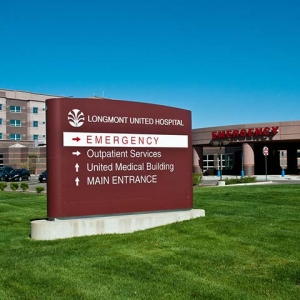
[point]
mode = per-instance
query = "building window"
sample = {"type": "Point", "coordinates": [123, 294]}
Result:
{"type": "Point", "coordinates": [15, 123]}
{"type": "Point", "coordinates": [0, 106]}
{"type": "Point", "coordinates": [15, 109]}
{"type": "Point", "coordinates": [35, 110]}
{"type": "Point", "coordinates": [1, 136]}
{"type": "Point", "coordinates": [228, 161]}
{"type": "Point", "coordinates": [208, 162]}
{"type": "Point", "coordinates": [35, 137]}
{"type": "Point", "coordinates": [1, 122]}
{"type": "Point", "coordinates": [15, 137]}
{"type": "Point", "coordinates": [35, 124]}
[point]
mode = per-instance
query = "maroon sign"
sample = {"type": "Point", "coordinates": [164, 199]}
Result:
{"type": "Point", "coordinates": [241, 133]}
{"type": "Point", "coordinates": [109, 157]}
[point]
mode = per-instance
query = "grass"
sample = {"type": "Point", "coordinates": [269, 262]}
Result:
{"type": "Point", "coordinates": [247, 247]}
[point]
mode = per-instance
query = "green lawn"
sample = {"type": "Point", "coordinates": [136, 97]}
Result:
{"type": "Point", "coordinates": [247, 247]}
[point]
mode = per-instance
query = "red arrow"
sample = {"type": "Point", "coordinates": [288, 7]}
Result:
{"type": "Point", "coordinates": [77, 139]}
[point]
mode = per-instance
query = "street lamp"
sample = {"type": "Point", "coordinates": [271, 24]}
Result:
{"type": "Point", "coordinates": [220, 144]}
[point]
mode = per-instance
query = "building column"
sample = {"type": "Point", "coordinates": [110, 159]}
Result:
{"type": "Point", "coordinates": [197, 159]}
{"type": "Point", "coordinates": [248, 155]}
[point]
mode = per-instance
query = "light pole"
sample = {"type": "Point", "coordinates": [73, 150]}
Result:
{"type": "Point", "coordinates": [220, 144]}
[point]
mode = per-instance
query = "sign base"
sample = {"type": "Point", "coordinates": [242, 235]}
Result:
{"type": "Point", "coordinates": [117, 224]}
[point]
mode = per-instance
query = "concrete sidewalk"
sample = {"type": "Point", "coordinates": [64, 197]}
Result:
{"type": "Point", "coordinates": [258, 177]}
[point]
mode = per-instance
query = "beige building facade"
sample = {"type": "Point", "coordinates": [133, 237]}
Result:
{"type": "Point", "coordinates": [22, 129]}
{"type": "Point", "coordinates": [248, 149]}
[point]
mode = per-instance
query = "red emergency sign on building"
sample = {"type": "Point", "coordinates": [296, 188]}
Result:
{"type": "Point", "coordinates": [245, 132]}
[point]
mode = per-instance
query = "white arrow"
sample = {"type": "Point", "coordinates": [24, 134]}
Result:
{"type": "Point", "coordinates": [76, 153]}
{"type": "Point", "coordinates": [77, 167]}
{"type": "Point", "coordinates": [77, 181]}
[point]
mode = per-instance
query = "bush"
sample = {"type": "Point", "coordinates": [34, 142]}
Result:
{"type": "Point", "coordinates": [39, 189]}
{"type": "Point", "coordinates": [3, 185]}
{"type": "Point", "coordinates": [240, 180]}
{"type": "Point", "coordinates": [197, 178]}
{"type": "Point", "coordinates": [14, 186]}
{"type": "Point", "coordinates": [24, 186]}
{"type": "Point", "coordinates": [209, 172]}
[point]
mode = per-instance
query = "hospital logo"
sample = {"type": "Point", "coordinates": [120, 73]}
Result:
{"type": "Point", "coordinates": [76, 118]}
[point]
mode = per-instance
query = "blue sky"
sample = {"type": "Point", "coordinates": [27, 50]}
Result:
{"type": "Point", "coordinates": [229, 62]}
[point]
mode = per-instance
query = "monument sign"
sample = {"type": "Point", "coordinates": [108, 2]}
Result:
{"type": "Point", "coordinates": [114, 157]}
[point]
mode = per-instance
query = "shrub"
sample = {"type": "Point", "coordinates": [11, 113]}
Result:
{"type": "Point", "coordinates": [39, 189]}
{"type": "Point", "coordinates": [3, 185]}
{"type": "Point", "coordinates": [24, 186]}
{"type": "Point", "coordinates": [14, 186]}
{"type": "Point", "coordinates": [240, 180]}
{"type": "Point", "coordinates": [197, 178]}
{"type": "Point", "coordinates": [209, 172]}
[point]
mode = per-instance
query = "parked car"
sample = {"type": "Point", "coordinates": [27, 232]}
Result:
{"type": "Point", "coordinates": [43, 176]}
{"type": "Point", "coordinates": [4, 171]}
{"type": "Point", "coordinates": [18, 175]}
